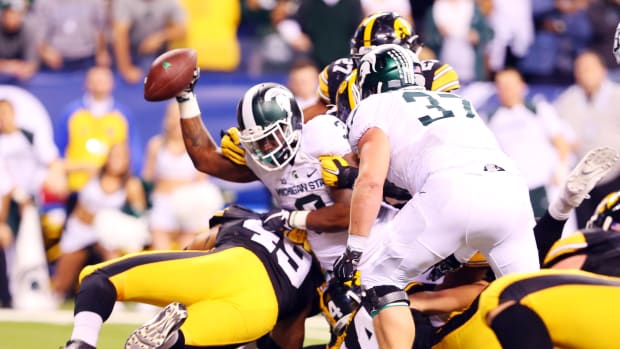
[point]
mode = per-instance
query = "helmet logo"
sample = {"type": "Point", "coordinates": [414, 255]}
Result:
{"type": "Point", "coordinates": [281, 99]}
{"type": "Point", "coordinates": [402, 28]}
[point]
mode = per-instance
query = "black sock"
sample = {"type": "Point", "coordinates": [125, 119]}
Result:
{"type": "Point", "coordinates": [518, 327]}
{"type": "Point", "coordinates": [547, 231]}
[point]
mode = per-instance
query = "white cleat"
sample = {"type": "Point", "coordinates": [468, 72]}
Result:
{"type": "Point", "coordinates": [161, 332]}
{"type": "Point", "coordinates": [588, 172]}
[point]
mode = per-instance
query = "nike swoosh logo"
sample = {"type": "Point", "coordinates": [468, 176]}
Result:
{"type": "Point", "coordinates": [309, 174]}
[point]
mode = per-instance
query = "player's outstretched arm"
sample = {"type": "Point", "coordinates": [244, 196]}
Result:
{"type": "Point", "coordinates": [200, 146]}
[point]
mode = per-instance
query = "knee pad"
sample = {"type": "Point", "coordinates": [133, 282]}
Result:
{"type": "Point", "coordinates": [380, 297]}
{"type": "Point", "coordinates": [97, 294]}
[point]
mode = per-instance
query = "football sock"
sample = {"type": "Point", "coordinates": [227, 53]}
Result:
{"type": "Point", "coordinates": [560, 209]}
{"type": "Point", "coordinates": [547, 231]}
{"type": "Point", "coordinates": [86, 327]}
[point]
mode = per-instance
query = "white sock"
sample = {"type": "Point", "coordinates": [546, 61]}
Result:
{"type": "Point", "coordinates": [86, 327]}
{"type": "Point", "coordinates": [560, 209]}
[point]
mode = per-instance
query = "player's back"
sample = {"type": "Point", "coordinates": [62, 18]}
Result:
{"type": "Point", "coordinates": [428, 131]}
{"type": "Point", "coordinates": [600, 248]}
{"type": "Point", "coordinates": [293, 272]}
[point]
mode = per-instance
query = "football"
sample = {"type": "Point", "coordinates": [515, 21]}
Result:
{"type": "Point", "coordinates": [169, 74]}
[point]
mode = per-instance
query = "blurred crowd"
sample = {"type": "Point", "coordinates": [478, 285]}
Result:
{"type": "Point", "coordinates": [101, 193]}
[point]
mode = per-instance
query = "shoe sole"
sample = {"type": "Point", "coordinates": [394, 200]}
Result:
{"type": "Point", "coordinates": [153, 334]}
{"type": "Point", "coordinates": [591, 169]}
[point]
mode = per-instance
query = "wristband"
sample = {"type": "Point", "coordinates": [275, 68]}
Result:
{"type": "Point", "coordinates": [357, 242]}
{"type": "Point", "coordinates": [189, 108]}
{"type": "Point", "coordinates": [298, 219]}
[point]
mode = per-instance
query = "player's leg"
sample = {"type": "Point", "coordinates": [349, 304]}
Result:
{"type": "Point", "coordinates": [580, 181]}
{"type": "Point", "coordinates": [501, 223]}
{"type": "Point", "coordinates": [586, 174]}
{"type": "Point", "coordinates": [222, 308]}
{"type": "Point", "coordinates": [517, 326]}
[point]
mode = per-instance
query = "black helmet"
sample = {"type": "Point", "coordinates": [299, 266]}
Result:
{"type": "Point", "coordinates": [607, 212]}
{"type": "Point", "coordinates": [331, 77]}
{"type": "Point", "coordinates": [383, 28]}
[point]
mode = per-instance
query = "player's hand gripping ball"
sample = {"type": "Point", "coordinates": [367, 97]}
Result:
{"type": "Point", "coordinates": [170, 73]}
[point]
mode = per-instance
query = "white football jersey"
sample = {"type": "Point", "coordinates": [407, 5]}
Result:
{"type": "Point", "coordinates": [428, 132]}
{"type": "Point", "coordinates": [299, 185]}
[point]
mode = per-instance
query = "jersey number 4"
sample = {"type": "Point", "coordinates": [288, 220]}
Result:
{"type": "Point", "coordinates": [294, 261]}
{"type": "Point", "coordinates": [435, 110]}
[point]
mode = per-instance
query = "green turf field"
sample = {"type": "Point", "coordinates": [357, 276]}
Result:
{"type": "Point", "coordinates": [32, 335]}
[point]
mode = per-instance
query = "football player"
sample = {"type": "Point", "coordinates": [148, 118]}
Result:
{"type": "Point", "coordinates": [465, 330]}
{"type": "Point", "coordinates": [215, 293]}
{"type": "Point", "coordinates": [555, 310]}
{"type": "Point", "coordinates": [452, 163]}
{"type": "Point", "coordinates": [595, 250]}
{"type": "Point", "coordinates": [284, 156]}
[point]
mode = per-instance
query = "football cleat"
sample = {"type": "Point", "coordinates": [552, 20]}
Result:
{"type": "Point", "coordinates": [161, 331]}
{"type": "Point", "coordinates": [77, 344]}
{"type": "Point", "coordinates": [588, 172]}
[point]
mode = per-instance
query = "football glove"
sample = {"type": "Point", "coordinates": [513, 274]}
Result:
{"type": "Point", "coordinates": [277, 219]}
{"type": "Point", "coordinates": [185, 95]}
{"type": "Point", "coordinates": [231, 146]}
{"type": "Point", "coordinates": [298, 237]}
{"type": "Point", "coordinates": [345, 267]}
{"type": "Point", "coordinates": [441, 268]}
{"type": "Point", "coordinates": [336, 171]}
{"type": "Point", "coordinates": [394, 195]}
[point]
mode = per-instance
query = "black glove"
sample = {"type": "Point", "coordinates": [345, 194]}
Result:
{"type": "Point", "coordinates": [394, 195]}
{"type": "Point", "coordinates": [441, 268]}
{"type": "Point", "coordinates": [345, 267]}
{"type": "Point", "coordinates": [189, 90]}
{"type": "Point", "coordinates": [337, 172]}
{"type": "Point", "coordinates": [277, 219]}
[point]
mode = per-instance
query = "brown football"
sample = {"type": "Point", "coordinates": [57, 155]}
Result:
{"type": "Point", "coordinates": [169, 74]}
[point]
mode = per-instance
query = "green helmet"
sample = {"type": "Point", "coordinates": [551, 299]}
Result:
{"type": "Point", "coordinates": [270, 125]}
{"type": "Point", "coordinates": [388, 67]}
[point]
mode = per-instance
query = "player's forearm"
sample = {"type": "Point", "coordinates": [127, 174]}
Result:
{"type": "Point", "coordinates": [330, 219]}
{"type": "Point", "coordinates": [197, 139]}
{"type": "Point", "coordinates": [365, 204]}
{"type": "Point", "coordinates": [205, 154]}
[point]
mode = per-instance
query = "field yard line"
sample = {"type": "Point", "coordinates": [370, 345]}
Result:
{"type": "Point", "coordinates": [316, 327]}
